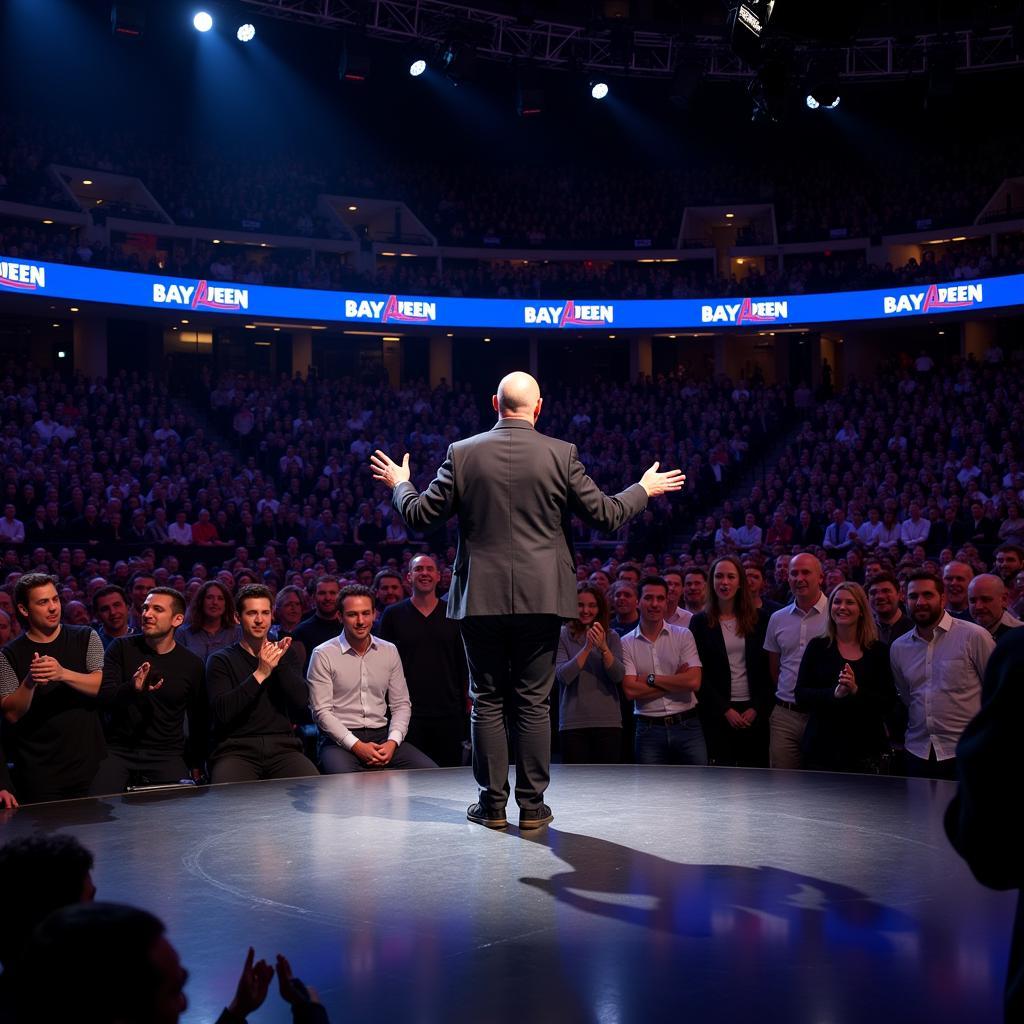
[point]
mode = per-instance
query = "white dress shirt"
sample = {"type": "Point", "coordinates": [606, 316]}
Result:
{"type": "Point", "coordinates": [940, 682]}
{"type": "Point", "coordinates": [351, 691]}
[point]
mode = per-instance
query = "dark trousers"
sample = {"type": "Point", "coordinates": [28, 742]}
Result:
{"type": "Point", "coordinates": [254, 758]}
{"type": "Point", "coordinates": [441, 739]}
{"type": "Point", "coordinates": [511, 670]}
{"type": "Point", "coordinates": [933, 768]}
{"type": "Point", "coordinates": [337, 760]}
{"type": "Point", "coordinates": [117, 769]}
{"type": "Point", "coordinates": [743, 748]}
{"type": "Point", "coordinates": [591, 746]}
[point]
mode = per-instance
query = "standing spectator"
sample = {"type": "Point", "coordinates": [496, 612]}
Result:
{"type": "Point", "coordinates": [988, 602]}
{"type": "Point", "coordinates": [756, 584]}
{"type": "Point", "coordinates": [846, 685]}
{"type": "Point", "coordinates": [674, 614]}
{"type": "Point", "coordinates": [49, 678]}
{"type": "Point", "coordinates": [589, 671]}
{"type": "Point", "coordinates": [662, 675]}
{"type": "Point", "coordinates": [434, 661]}
{"type": "Point", "coordinates": [884, 597]}
{"type": "Point", "coordinates": [212, 623]}
{"type": "Point", "coordinates": [625, 604]}
{"type": "Point", "coordinates": [957, 578]}
{"type": "Point", "coordinates": [789, 632]}
{"type": "Point", "coordinates": [736, 693]}
{"type": "Point", "coordinates": [695, 589]}
{"type": "Point", "coordinates": [938, 667]}
{"type": "Point", "coordinates": [1009, 560]}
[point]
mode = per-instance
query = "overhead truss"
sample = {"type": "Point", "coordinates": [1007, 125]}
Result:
{"type": "Point", "coordinates": [620, 48]}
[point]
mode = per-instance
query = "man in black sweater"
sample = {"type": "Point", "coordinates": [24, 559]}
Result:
{"type": "Point", "coordinates": [434, 662]}
{"type": "Point", "coordinates": [323, 624]}
{"type": "Point", "coordinates": [255, 688]}
{"type": "Point", "coordinates": [49, 678]}
{"type": "Point", "coordinates": [150, 683]}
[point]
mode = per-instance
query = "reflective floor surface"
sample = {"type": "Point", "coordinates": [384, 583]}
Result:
{"type": "Point", "coordinates": [663, 894]}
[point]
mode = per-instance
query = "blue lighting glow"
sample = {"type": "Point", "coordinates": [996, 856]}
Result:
{"type": "Point", "coordinates": [202, 22]}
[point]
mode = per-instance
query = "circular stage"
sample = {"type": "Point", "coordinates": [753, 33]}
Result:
{"type": "Point", "coordinates": [656, 894]}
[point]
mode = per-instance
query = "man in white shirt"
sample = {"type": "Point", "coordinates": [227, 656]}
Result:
{"type": "Point", "coordinates": [938, 667]}
{"type": "Point", "coordinates": [663, 673]}
{"type": "Point", "coordinates": [749, 534]}
{"type": "Point", "coordinates": [790, 629]}
{"type": "Point", "coordinates": [12, 529]}
{"type": "Point", "coordinates": [353, 681]}
{"type": "Point", "coordinates": [674, 615]}
{"type": "Point", "coordinates": [915, 530]}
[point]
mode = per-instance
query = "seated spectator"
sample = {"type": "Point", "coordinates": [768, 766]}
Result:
{"type": "Point", "coordinates": [255, 689]}
{"type": "Point", "coordinates": [180, 532]}
{"type": "Point", "coordinates": [49, 678]}
{"type": "Point", "coordinates": [12, 529]}
{"type": "Point", "coordinates": [846, 684]}
{"type": "Point", "coordinates": [736, 693]}
{"type": "Point", "coordinates": [354, 680]}
{"type": "Point", "coordinates": [211, 623]}
{"type": "Point", "coordinates": [749, 535]}
{"type": "Point", "coordinates": [837, 540]}
{"type": "Point", "coordinates": [726, 535]}
{"type": "Point", "coordinates": [150, 686]}
{"type": "Point", "coordinates": [589, 671]}
{"type": "Point", "coordinates": [324, 624]}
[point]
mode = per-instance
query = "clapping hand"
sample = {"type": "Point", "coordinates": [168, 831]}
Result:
{"type": "Point", "coordinates": [655, 483]}
{"type": "Point", "coordinates": [293, 991]}
{"type": "Point", "coordinates": [253, 984]}
{"type": "Point", "coordinates": [596, 637]}
{"type": "Point", "coordinates": [271, 654]}
{"type": "Point", "coordinates": [44, 669]}
{"type": "Point", "coordinates": [141, 679]}
{"type": "Point", "coordinates": [387, 471]}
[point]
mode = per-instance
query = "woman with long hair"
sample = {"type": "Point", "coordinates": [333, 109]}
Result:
{"type": "Point", "coordinates": [590, 673]}
{"type": "Point", "coordinates": [845, 683]}
{"type": "Point", "coordinates": [210, 623]}
{"type": "Point", "coordinates": [736, 693]}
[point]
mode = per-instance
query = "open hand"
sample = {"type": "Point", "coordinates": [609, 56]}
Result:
{"type": "Point", "coordinates": [387, 471]}
{"type": "Point", "coordinates": [141, 679]}
{"type": "Point", "coordinates": [655, 483]}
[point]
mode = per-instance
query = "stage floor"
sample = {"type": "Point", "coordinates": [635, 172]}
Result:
{"type": "Point", "coordinates": [656, 894]}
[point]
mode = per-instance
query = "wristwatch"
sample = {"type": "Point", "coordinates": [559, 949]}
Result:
{"type": "Point", "coordinates": [650, 681]}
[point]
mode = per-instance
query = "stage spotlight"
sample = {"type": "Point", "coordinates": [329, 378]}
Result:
{"type": "Point", "coordinates": [827, 99]}
{"type": "Point", "coordinates": [598, 90]}
{"type": "Point", "coordinates": [246, 33]}
{"type": "Point", "coordinates": [202, 22]}
{"type": "Point", "coordinates": [417, 67]}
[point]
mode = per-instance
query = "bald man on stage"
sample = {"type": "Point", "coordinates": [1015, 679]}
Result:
{"type": "Point", "coordinates": [514, 491]}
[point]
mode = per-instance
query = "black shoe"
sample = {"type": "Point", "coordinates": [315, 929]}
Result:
{"type": "Point", "coordinates": [479, 814]}
{"type": "Point", "coordinates": [535, 817]}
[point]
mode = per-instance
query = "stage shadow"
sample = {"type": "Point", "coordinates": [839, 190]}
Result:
{"type": "Point", "coordinates": [626, 884]}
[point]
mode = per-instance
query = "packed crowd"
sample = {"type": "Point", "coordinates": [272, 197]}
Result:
{"type": "Point", "coordinates": [547, 204]}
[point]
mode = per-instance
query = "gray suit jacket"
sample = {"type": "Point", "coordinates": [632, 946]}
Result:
{"type": "Point", "coordinates": [514, 491]}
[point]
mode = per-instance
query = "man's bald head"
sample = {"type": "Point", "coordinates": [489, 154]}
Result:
{"type": "Point", "coordinates": [518, 396]}
{"type": "Point", "coordinates": [987, 600]}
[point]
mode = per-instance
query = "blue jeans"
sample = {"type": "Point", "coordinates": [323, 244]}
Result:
{"type": "Point", "coordinates": [679, 743]}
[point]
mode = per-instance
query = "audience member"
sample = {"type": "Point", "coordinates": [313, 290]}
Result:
{"type": "Point", "coordinates": [151, 685]}
{"type": "Point", "coordinates": [662, 675]}
{"type": "Point", "coordinates": [736, 692]}
{"type": "Point", "coordinates": [845, 683]}
{"type": "Point", "coordinates": [789, 631]}
{"type": "Point", "coordinates": [354, 681]}
{"type": "Point", "coordinates": [49, 678]}
{"type": "Point", "coordinates": [211, 623]}
{"type": "Point", "coordinates": [884, 598]}
{"type": "Point", "coordinates": [589, 670]}
{"type": "Point", "coordinates": [434, 664]}
{"type": "Point", "coordinates": [255, 687]}
{"type": "Point", "coordinates": [989, 605]}
{"type": "Point", "coordinates": [938, 667]}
